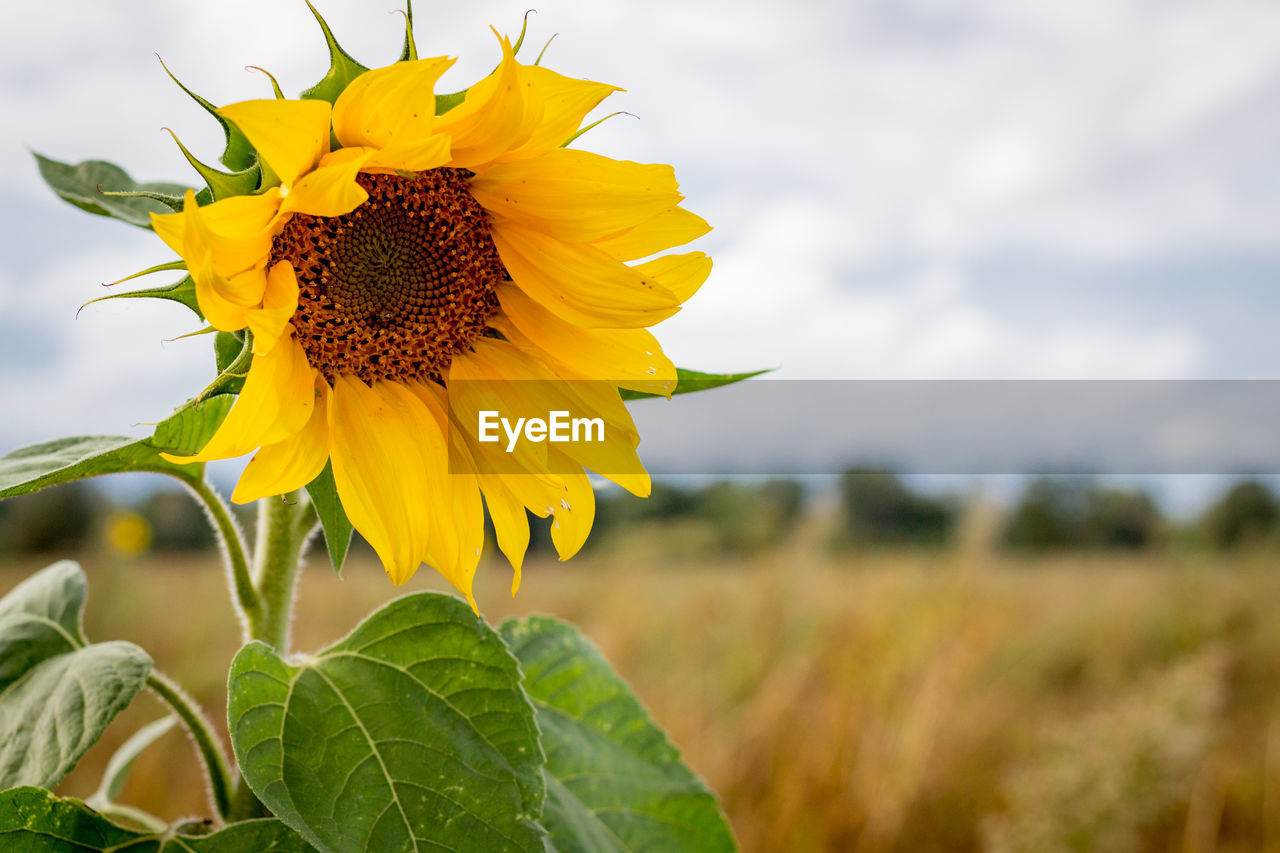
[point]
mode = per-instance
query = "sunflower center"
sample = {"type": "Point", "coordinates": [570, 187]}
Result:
{"type": "Point", "coordinates": [398, 286]}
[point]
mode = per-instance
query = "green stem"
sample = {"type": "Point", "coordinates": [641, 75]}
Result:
{"type": "Point", "coordinates": [246, 597]}
{"type": "Point", "coordinates": [215, 761]}
{"type": "Point", "coordinates": [276, 561]}
{"type": "Point", "coordinates": [284, 524]}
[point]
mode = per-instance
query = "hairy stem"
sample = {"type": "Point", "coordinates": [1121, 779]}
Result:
{"type": "Point", "coordinates": [276, 561]}
{"type": "Point", "coordinates": [245, 595]}
{"type": "Point", "coordinates": [284, 523]}
{"type": "Point", "coordinates": [215, 760]}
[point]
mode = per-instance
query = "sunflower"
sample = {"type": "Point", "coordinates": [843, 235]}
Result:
{"type": "Point", "coordinates": [397, 258]}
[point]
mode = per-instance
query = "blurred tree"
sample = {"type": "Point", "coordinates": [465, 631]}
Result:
{"type": "Point", "coordinates": [56, 519]}
{"type": "Point", "coordinates": [1246, 515]}
{"type": "Point", "coordinates": [1050, 515]}
{"type": "Point", "coordinates": [1120, 519]}
{"type": "Point", "coordinates": [878, 509]}
{"type": "Point", "coordinates": [1056, 513]}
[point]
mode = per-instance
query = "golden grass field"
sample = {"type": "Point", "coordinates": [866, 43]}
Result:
{"type": "Point", "coordinates": [877, 702]}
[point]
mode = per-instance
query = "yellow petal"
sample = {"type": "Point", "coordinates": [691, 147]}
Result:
{"type": "Point", "coordinates": [573, 517]}
{"type": "Point", "coordinates": [290, 136]}
{"type": "Point", "coordinates": [674, 226]}
{"type": "Point", "coordinates": [459, 490]}
{"type": "Point", "coordinates": [290, 464]}
{"type": "Point", "coordinates": [631, 358]}
{"type": "Point", "coordinates": [377, 470]}
{"type": "Point", "coordinates": [330, 189]}
{"type": "Point", "coordinates": [579, 283]}
{"type": "Point", "coordinates": [222, 313]}
{"type": "Point", "coordinates": [575, 195]}
{"type": "Point", "coordinates": [430, 507]}
{"type": "Point", "coordinates": [681, 274]}
{"type": "Point", "coordinates": [234, 233]}
{"type": "Point", "coordinates": [490, 121]}
{"type": "Point", "coordinates": [556, 106]}
{"type": "Point", "coordinates": [279, 302]}
{"type": "Point", "coordinates": [277, 400]}
{"type": "Point", "coordinates": [170, 227]}
{"type": "Point", "coordinates": [413, 157]}
{"type": "Point", "coordinates": [391, 106]}
{"type": "Point", "coordinates": [510, 524]}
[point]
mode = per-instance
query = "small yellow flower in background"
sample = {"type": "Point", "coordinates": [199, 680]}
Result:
{"type": "Point", "coordinates": [427, 250]}
{"type": "Point", "coordinates": [128, 534]}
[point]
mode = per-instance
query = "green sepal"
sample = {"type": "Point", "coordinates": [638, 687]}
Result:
{"type": "Point", "coordinates": [33, 820]}
{"type": "Point", "coordinates": [593, 124]}
{"type": "Point", "coordinates": [58, 692]}
{"type": "Point", "coordinates": [233, 366]}
{"type": "Point", "coordinates": [237, 154]}
{"type": "Point", "coordinates": [410, 50]}
{"type": "Point", "coordinates": [690, 381]}
{"type": "Point", "coordinates": [50, 463]}
{"type": "Point", "coordinates": [412, 733]}
{"type": "Point", "coordinates": [221, 184]}
{"type": "Point", "coordinates": [182, 291]}
{"type": "Point", "coordinates": [275, 86]}
{"type": "Point", "coordinates": [333, 518]}
{"type": "Point", "coordinates": [342, 68]}
{"type": "Point", "coordinates": [524, 27]}
{"type": "Point", "coordinates": [444, 103]}
{"type": "Point", "coordinates": [614, 782]}
{"type": "Point", "coordinates": [227, 347]}
{"type": "Point", "coordinates": [543, 52]}
{"type": "Point", "coordinates": [84, 183]}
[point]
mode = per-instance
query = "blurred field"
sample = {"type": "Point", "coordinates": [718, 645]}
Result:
{"type": "Point", "coordinates": [895, 701]}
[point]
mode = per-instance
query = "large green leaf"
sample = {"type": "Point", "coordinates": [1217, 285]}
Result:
{"type": "Point", "coordinates": [84, 184]}
{"type": "Point", "coordinates": [333, 518]}
{"type": "Point", "coordinates": [65, 459]}
{"type": "Point", "coordinates": [689, 381]}
{"type": "Point", "coordinates": [614, 782]}
{"type": "Point", "coordinates": [33, 820]}
{"type": "Point", "coordinates": [57, 691]}
{"type": "Point", "coordinates": [411, 734]}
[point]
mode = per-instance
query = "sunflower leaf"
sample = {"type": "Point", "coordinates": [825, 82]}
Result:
{"type": "Point", "coordinates": [342, 68]}
{"type": "Point", "coordinates": [83, 185]}
{"type": "Point", "coordinates": [333, 518]}
{"type": "Point", "coordinates": [50, 463]}
{"type": "Point", "coordinates": [33, 820]}
{"type": "Point", "coordinates": [58, 692]}
{"type": "Point", "coordinates": [614, 782]}
{"type": "Point", "coordinates": [411, 733]}
{"type": "Point", "coordinates": [690, 381]}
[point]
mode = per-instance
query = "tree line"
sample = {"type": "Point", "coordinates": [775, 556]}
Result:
{"type": "Point", "coordinates": [871, 509]}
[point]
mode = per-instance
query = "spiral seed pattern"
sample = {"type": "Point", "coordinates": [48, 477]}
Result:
{"type": "Point", "coordinates": [400, 285]}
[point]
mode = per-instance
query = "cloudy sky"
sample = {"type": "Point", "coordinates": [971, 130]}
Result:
{"type": "Point", "coordinates": [900, 188]}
